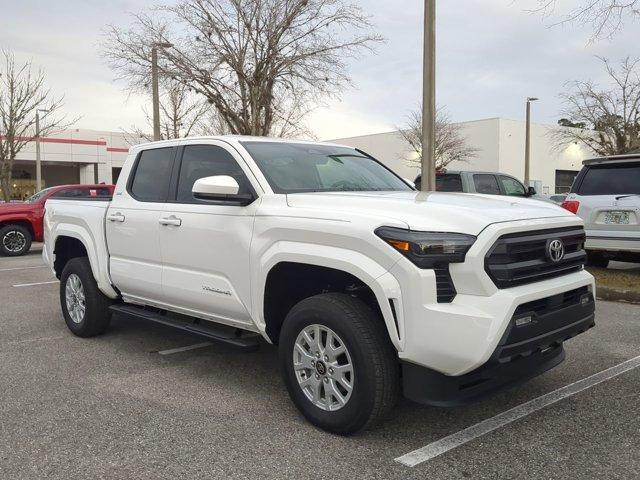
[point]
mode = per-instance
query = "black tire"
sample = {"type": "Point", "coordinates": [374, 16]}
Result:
{"type": "Point", "coordinates": [597, 260]}
{"type": "Point", "coordinates": [96, 313]}
{"type": "Point", "coordinates": [376, 381]}
{"type": "Point", "coordinates": [9, 234]}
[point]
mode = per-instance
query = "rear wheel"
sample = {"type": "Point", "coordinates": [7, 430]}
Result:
{"type": "Point", "coordinates": [84, 306]}
{"type": "Point", "coordinates": [15, 240]}
{"type": "Point", "coordinates": [339, 366]}
{"type": "Point", "coordinates": [597, 260]}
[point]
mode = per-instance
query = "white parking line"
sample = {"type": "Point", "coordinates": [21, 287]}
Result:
{"type": "Point", "coordinates": [184, 349]}
{"type": "Point", "coordinates": [34, 284]}
{"type": "Point", "coordinates": [445, 444]}
{"type": "Point", "coordinates": [21, 268]}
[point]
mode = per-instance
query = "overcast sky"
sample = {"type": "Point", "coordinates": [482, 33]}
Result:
{"type": "Point", "coordinates": [492, 54]}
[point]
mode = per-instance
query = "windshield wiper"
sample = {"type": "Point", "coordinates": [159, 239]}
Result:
{"type": "Point", "coordinates": [627, 196]}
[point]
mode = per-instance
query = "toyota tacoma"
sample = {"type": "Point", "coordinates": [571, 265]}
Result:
{"type": "Point", "coordinates": [369, 288]}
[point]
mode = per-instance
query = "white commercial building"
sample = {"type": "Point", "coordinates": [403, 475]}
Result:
{"type": "Point", "coordinates": [500, 143]}
{"type": "Point", "coordinates": [71, 156]}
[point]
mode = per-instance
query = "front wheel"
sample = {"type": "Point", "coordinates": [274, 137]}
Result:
{"type": "Point", "coordinates": [339, 366]}
{"type": "Point", "coordinates": [15, 240]}
{"type": "Point", "coordinates": [84, 306]}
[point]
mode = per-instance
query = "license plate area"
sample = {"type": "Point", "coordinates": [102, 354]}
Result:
{"type": "Point", "coordinates": [616, 217]}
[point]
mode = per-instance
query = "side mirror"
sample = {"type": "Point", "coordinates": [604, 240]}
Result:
{"type": "Point", "coordinates": [531, 191]}
{"type": "Point", "coordinates": [220, 188]}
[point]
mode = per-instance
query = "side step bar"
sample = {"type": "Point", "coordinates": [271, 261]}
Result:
{"type": "Point", "coordinates": [219, 333]}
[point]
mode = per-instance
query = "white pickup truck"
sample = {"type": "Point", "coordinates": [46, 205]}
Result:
{"type": "Point", "coordinates": [368, 287]}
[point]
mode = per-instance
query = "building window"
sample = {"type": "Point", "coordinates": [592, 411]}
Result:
{"type": "Point", "coordinates": [564, 180]}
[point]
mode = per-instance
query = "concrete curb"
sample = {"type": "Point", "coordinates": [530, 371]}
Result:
{"type": "Point", "coordinates": [618, 295]}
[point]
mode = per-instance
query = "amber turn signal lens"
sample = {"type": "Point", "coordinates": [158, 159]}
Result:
{"type": "Point", "coordinates": [400, 245]}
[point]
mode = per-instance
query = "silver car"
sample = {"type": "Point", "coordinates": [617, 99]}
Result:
{"type": "Point", "coordinates": [606, 195]}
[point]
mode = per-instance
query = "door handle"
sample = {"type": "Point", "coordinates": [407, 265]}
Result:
{"type": "Point", "coordinates": [172, 220]}
{"type": "Point", "coordinates": [116, 217]}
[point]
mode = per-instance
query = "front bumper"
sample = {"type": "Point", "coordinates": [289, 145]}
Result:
{"type": "Point", "coordinates": [459, 337]}
{"type": "Point", "coordinates": [525, 351]}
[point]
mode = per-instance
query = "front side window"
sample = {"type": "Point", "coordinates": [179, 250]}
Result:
{"type": "Point", "coordinates": [200, 161]}
{"type": "Point", "coordinates": [512, 186]}
{"type": "Point", "coordinates": [611, 180]}
{"type": "Point", "coordinates": [296, 168]}
{"type": "Point", "coordinates": [152, 175]}
{"type": "Point", "coordinates": [486, 183]}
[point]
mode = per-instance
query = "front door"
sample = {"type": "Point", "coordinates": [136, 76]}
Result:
{"type": "Point", "coordinates": [132, 226]}
{"type": "Point", "coordinates": [205, 245]}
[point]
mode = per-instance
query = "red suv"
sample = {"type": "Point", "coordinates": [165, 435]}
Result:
{"type": "Point", "coordinates": [21, 223]}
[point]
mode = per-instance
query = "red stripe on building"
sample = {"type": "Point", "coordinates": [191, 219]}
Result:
{"type": "Point", "coordinates": [59, 140]}
{"type": "Point", "coordinates": [71, 141]}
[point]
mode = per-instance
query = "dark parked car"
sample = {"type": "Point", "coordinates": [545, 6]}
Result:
{"type": "Point", "coordinates": [490, 183]}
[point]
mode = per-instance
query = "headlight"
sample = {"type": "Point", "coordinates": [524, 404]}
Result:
{"type": "Point", "coordinates": [426, 249]}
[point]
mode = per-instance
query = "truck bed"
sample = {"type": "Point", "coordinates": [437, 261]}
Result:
{"type": "Point", "coordinates": [84, 220]}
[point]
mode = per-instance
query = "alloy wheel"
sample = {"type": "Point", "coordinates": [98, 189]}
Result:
{"type": "Point", "coordinates": [323, 367]}
{"type": "Point", "coordinates": [14, 241]}
{"type": "Point", "coordinates": [74, 294]}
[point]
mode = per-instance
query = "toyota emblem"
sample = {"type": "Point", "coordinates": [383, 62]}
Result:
{"type": "Point", "coordinates": [555, 250]}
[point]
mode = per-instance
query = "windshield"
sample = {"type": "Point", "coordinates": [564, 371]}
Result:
{"type": "Point", "coordinates": [37, 196]}
{"type": "Point", "coordinates": [295, 168]}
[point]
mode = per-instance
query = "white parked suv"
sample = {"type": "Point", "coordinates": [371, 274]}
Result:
{"type": "Point", "coordinates": [606, 195]}
{"type": "Point", "coordinates": [368, 287]}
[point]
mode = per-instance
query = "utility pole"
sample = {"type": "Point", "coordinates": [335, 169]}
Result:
{"type": "Point", "coordinates": [527, 142]}
{"type": "Point", "coordinates": [155, 90]}
{"type": "Point", "coordinates": [38, 162]}
{"type": "Point", "coordinates": [429, 98]}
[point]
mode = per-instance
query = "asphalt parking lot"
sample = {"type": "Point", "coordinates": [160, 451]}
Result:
{"type": "Point", "coordinates": [134, 404]}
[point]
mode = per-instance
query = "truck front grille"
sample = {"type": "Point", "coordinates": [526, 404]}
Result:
{"type": "Point", "coordinates": [524, 257]}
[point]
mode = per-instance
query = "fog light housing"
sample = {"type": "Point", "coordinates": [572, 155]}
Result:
{"type": "Point", "coordinates": [522, 321]}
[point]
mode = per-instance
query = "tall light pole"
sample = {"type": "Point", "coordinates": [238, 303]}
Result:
{"type": "Point", "coordinates": [429, 98]}
{"type": "Point", "coordinates": [527, 141]}
{"type": "Point", "coordinates": [155, 92]}
{"type": "Point", "coordinates": [38, 162]}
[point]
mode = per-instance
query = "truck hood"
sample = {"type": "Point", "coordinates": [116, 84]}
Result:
{"type": "Point", "coordinates": [430, 211]}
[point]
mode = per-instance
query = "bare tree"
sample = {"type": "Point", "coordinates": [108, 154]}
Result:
{"type": "Point", "coordinates": [606, 17]}
{"type": "Point", "coordinates": [22, 93]}
{"type": "Point", "coordinates": [260, 63]}
{"type": "Point", "coordinates": [451, 144]}
{"type": "Point", "coordinates": [182, 113]}
{"type": "Point", "coordinates": [610, 116]}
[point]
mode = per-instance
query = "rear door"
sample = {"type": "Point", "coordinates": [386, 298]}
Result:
{"type": "Point", "coordinates": [609, 196]}
{"type": "Point", "coordinates": [133, 226]}
{"type": "Point", "coordinates": [205, 244]}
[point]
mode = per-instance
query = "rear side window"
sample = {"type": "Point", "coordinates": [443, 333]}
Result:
{"type": "Point", "coordinates": [486, 184]}
{"type": "Point", "coordinates": [151, 178]}
{"type": "Point", "coordinates": [82, 193]}
{"type": "Point", "coordinates": [448, 182]}
{"type": "Point", "coordinates": [71, 193]}
{"type": "Point", "coordinates": [611, 180]}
